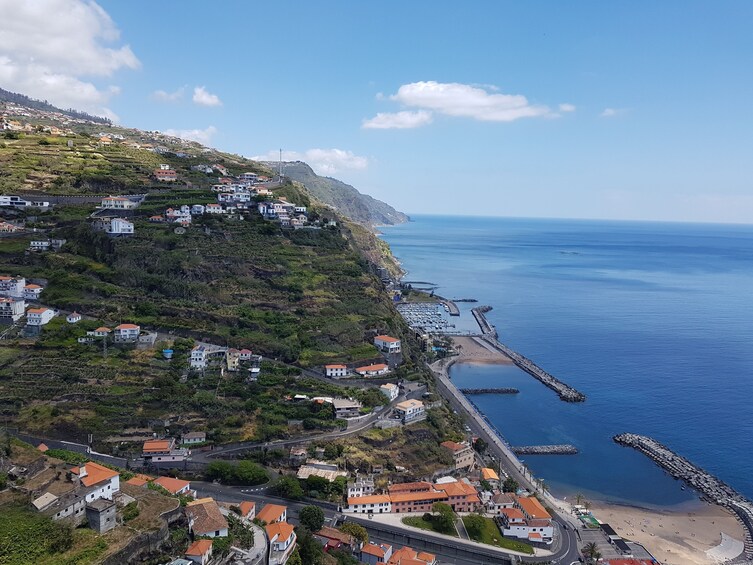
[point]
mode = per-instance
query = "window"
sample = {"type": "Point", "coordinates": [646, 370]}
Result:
{"type": "Point", "coordinates": [217, 533]}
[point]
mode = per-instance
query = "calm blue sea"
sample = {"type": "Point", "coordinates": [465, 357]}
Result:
{"type": "Point", "coordinates": [653, 321]}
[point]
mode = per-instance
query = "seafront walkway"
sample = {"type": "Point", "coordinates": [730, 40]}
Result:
{"type": "Point", "coordinates": [507, 458]}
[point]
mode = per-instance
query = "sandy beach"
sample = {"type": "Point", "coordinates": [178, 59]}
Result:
{"type": "Point", "coordinates": [471, 350]}
{"type": "Point", "coordinates": [675, 537]}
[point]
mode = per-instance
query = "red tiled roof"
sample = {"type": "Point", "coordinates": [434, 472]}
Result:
{"type": "Point", "coordinates": [127, 327]}
{"type": "Point", "coordinates": [96, 473]}
{"type": "Point", "coordinates": [387, 338]}
{"type": "Point", "coordinates": [271, 513]}
{"type": "Point", "coordinates": [377, 367]}
{"type": "Point", "coordinates": [282, 530]}
{"type": "Point", "coordinates": [246, 506]}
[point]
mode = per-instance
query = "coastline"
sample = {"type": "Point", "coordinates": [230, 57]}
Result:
{"type": "Point", "coordinates": [676, 535]}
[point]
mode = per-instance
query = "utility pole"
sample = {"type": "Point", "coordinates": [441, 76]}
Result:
{"type": "Point", "coordinates": [280, 174]}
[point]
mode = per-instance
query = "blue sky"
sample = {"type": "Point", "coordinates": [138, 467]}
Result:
{"type": "Point", "coordinates": [625, 110]}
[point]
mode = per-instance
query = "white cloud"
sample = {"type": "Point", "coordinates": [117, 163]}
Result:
{"type": "Point", "coordinates": [468, 101]}
{"type": "Point", "coordinates": [47, 47]}
{"type": "Point", "coordinates": [398, 120]}
{"type": "Point", "coordinates": [612, 112]}
{"type": "Point", "coordinates": [203, 136]}
{"type": "Point", "coordinates": [203, 98]}
{"type": "Point", "coordinates": [164, 96]}
{"type": "Point", "coordinates": [323, 161]}
{"type": "Point", "coordinates": [567, 108]}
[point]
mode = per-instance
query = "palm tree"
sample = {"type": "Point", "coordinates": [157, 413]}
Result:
{"type": "Point", "coordinates": [587, 504]}
{"type": "Point", "coordinates": [578, 498]}
{"type": "Point", "coordinates": [591, 552]}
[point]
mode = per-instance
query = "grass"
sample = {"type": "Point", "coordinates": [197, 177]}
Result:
{"type": "Point", "coordinates": [420, 522]}
{"type": "Point", "coordinates": [491, 535]}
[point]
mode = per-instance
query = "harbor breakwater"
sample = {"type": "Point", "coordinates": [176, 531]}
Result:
{"type": "Point", "coordinates": [489, 390]}
{"type": "Point", "coordinates": [561, 449]}
{"type": "Point", "coordinates": [565, 392]}
{"type": "Point", "coordinates": [712, 488]}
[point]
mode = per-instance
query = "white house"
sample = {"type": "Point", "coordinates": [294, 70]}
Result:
{"type": "Point", "coordinates": [39, 316]}
{"type": "Point", "coordinates": [346, 407]}
{"type": "Point", "coordinates": [39, 245]}
{"type": "Point", "coordinates": [387, 344]}
{"type": "Point", "coordinates": [119, 226]}
{"type": "Point", "coordinates": [200, 552]}
{"type": "Point", "coordinates": [197, 209]}
{"type": "Point", "coordinates": [391, 391]}
{"type": "Point", "coordinates": [101, 332]}
{"type": "Point", "coordinates": [12, 286]}
{"type": "Point", "coordinates": [335, 370]}
{"type": "Point", "coordinates": [73, 318]}
{"type": "Point", "coordinates": [118, 203]}
{"type": "Point", "coordinates": [246, 354]}
{"type": "Point", "coordinates": [192, 438]}
{"type": "Point", "coordinates": [127, 332]}
{"type": "Point", "coordinates": [362, 486]}
{"type": "Point", "coordinates": [105, 481]}
{"type": "Point", "coordinates": [281, 542]}
{"type": "Point", "coordinates": [205, 519]}
{"type": "Point", "coordinates": [410, 410]}
{"type": "Point", "coordinates": [32, 291]}
{"type": "Point", "coordinates": [248, 177]}
{"type": "Point", "coordinates": [374, 504]}
{"type": "Point", "coordinates": [372, 370]}
{"type": "Point", "coordinates": [198, 357]}
{"type": "Point", "coordinates": [11, 309]}
{"type": "Point", "coordinates": [213, 209]}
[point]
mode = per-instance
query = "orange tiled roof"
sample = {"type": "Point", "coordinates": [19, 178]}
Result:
{"type": "Point", "coordinates": [96, 473]}
{"type": "Point", "coordinates": [172, 485]}
{"type": "Point", "coordinates": [512, 513]}
{"type": "Point", "coordinates": [271, 513]}
{"type": "Point", "coordinates": [335, 367]}
{"type": "Point", "coordinates": [42, 447]}
{"type": "Point", "coordinates": [407, 487]}
{"type": "Point", "coordinates": [533, 508]}
{"type": "Point", "coordinates": [374, 549]}
{"type": "Point", "coordinates": [453, 446]}
{"type": "Point", "coordinates": [127, 327]}
{"type": "Point", "coordinates": [246, 506]}
{"type": "Point", "coordinates": [387, 338]}
{"type": "Point", "coordinates": [416, 496]}
{"type": "Point", "coordinates": [489, 474]}
{"type": "Point", "coordinates": [156, 445]}
{"type": "Point", "coordinates": [458, 488]}
{"type": "Point", "coordinates": [377, 367]}
{"type": "Point", "coordinates": [199, 547]}
{"type": "Point", "coordinates": [282, 530]}
{"type": "Point", "coordinates": [373, 499]}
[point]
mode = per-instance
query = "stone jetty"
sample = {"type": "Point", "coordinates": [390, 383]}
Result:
{"type": "Point", "coordinates": [562, 449]}
{"type": "Point", "coordinates": [565, 392]}
{"type": "Point", "coordinates": [489, 390]}
{"type": "Point", "coordinates": [709, 486]}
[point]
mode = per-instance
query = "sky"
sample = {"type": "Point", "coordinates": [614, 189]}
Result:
{"type": "Point", "coordinates": [614, 110]}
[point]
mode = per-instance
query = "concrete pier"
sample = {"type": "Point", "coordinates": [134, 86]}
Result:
{"type": "Point", "coordinates": [565, 392]}
{"type": "Point", "coordinates": [712, 488]}
{"type": "Point", "coordinates": [562, 449]}
{"type": "Point", "coordinates": [489, 390]}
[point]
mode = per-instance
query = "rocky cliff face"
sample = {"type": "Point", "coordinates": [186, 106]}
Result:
{"type": "Point", "coordinates": [361, 208]}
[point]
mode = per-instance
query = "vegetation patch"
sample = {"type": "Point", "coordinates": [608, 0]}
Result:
{"type": "Point", "coordinates": [484, 530]}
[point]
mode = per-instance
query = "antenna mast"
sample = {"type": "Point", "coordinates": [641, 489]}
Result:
{"type": "Point", "coordinates": [280, 164]}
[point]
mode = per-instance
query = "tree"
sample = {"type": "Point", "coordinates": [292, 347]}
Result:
{"type": "Point", "coordinates": [289, 487]}
{"type": "Point", "coordinates": [318, 484]}
{"type": "Point", "coordinates": [480, 445]}
{"type": "Point", "coordinates": [510, 485]}
{"type": "Point", "coordinates": [355, 530]}
{"type": "Point", "coordinates": [444, 517]}
{"type": "Point", "coordinates": [249, 473]}
{"type": "Point", "coordinates": [219, 471]}
{"type": "Point", "coordinates": [475, 524]}
{"type": "Point", "coordinates": [3, 481]}
{"type": "Point", "coordinates": [591, 552]}
{"type": "Point", "coordinates": [308, 548]}
{"type": "Point", "coordinates": [312, 517]}
{"type": "Point", "coordinates": [485, 485]}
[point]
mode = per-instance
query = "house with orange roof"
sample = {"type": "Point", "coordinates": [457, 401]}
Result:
{"type": "Point", "coordinates": [165, 175]}
{"type": "Point", "coordinates": [532, 508]}
{"type": "Point", "coordinates": [11, 309]}
{"type": "Point", "coordinates": [118, 203]}
{"type": "Point", "coordinates": [174, 486]}
{"type": "Point", "coordinates": [206, 519]}
{"type": "Point", "coordinates": [161, 450]}
{"type": "Point", "coordinates": [421, 486]}
{"type": "Point", "coordinates": [410, 410]}
{"type": "Point", "coordinates": [490, 475]}
{"type": "Point", "coordinates": [535, 524]}
{"type": "Point", "coordinates": [371, 504]}
{"type": "Point", "coordinates": [39, 316]}
{"type": "Point", "coordinates": [500, 501]}
{"type": "Point", "coordinates": [248, 510]}
{"type": "Point", "coordinates": [462, 454]}
{"type": "Point", "coordinates": [282, 538]}
{"type": "Point", "coordinates": [372, 553]}
{"type": "Point", "coordinates": [125, 333]}
{"type": "Point", "coordinates": [73, 318]}
{"type": "Point", "coordinates": [416, 501]}
{"type": "Point", "coordinates": [335, 370]}
{"type": "Point", "coordinates": [32, 291]}
{"type": "Point", "coordinates": [462, 496]}
{"type": "Point", "coordinates": [200, 552]}
{"type": "Point", "coordinates": [409, 556]}
{"type": "Point", "coordinates": [272, 513]}
{"type": "Point", "coordinates": [42, 447]}
{"type": "Point", "coordinates": [102, 481]}
{"type": "Point", "coordinates": [372, 370]}
{"type": "Point", "coordinates": [387, 344]}
{"type": "Point", "coordinates": [100, 332]}
{"type": "Point", "coordinates": [337, 539]}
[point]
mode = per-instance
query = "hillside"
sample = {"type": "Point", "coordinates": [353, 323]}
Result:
{"type": "Point", "coordinates": [343, 197]}
{"type": "Point", "coordinates": [300, 298]}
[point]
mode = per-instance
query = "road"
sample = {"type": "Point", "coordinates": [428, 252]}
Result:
{"type": "Point", "coordinates": [448, 550]}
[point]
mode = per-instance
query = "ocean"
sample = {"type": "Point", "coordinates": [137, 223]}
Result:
{"type": "Point", "coordinates": [652, 321]}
